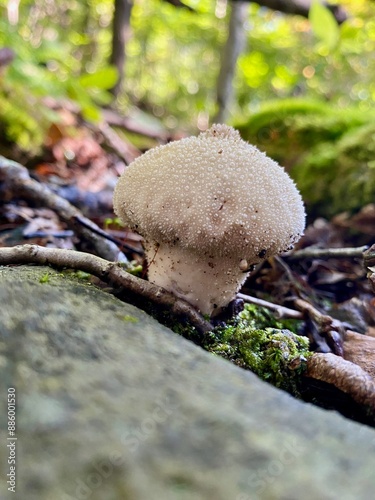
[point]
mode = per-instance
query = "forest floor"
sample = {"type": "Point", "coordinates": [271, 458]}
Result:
{"type": "Point", "coordinates": [62, 199]}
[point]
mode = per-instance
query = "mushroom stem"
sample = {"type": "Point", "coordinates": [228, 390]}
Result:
{"type": "Point", "coordinates": [200, 281]}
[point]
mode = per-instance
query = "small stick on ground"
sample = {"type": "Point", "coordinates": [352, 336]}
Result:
{"type": "Point", "coordinates": [369, 257]}
{"type": "Point", "coordinates": [15, 181]}
{"type": "Point", "coordinates": [135, 289]}
{"type": "Point", "coordinates": [280, 311]}
{"type": "Point", "coordinates": [369, 263]}
{"type": "Point", "coordinates": [331, 329]}
{"type": "Point", "coordinates": [124, 150]}
{"type": "Point", "coordinates": [87, 223]}
{"type": "Point", "coordinates": [327, 253]}
{"type": "Point", "coordinates": [114, 119]}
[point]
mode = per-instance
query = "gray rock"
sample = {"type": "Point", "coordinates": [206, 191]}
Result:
{"type": "Point", "coordinates": [112, 405]}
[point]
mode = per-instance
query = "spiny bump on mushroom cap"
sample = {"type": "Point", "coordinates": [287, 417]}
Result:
{"type": "Point", "coordinates": [215, 194]}
{"type": "Point", "coordinates": [221, 131]}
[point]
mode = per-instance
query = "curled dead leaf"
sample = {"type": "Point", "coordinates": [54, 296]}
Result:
{"type": "Point", "coordinates": [345, 376]}
{"type": "Point", "coordinates": [360, 349]}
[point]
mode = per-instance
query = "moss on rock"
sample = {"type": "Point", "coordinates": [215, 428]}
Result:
{"type": "Point", "coordinates": [340, 176]}
{"type": "Point", "coordinates": [274, 353]}
{"type": "Point", "coordinates": [329, 151]}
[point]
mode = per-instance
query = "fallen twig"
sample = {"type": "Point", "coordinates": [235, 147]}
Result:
{"type": "Point", "coordinates": [84, 221]}
{"type": "Point", "coordinates": [369, 263]}
{"type": "Point", "coordinates": [113, 119]}
{"type": "Point", "coordinates": [135, 289]}
{"type": "Point", "coordinates": [326, 253]}
{"type": "Point", "coordinates": [280, 311]}
{"type": "Point", "coordinates": [124, 150]}
{"type": "Point", "coordinates": [15, 181]}
{"type": "Point", "coordinates": [331, 329]}
{"type": "Point", "coordinates": [369, 257]}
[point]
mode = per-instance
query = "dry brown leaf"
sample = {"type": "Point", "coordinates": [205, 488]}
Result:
{"type": "Point", "coordinates": [360, 349]}
{"type": "Point", "coordinates": [345, 376]}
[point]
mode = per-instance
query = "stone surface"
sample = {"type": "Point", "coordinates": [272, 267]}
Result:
{"type": "Point", "coordinates": [111, 405]}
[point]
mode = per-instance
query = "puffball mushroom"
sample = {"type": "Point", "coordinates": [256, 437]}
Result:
{"type": "Point", "coordinates": [208, 208]}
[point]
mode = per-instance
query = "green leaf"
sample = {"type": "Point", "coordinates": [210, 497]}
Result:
{"type": "Point", "coordinates": [324, 24]}
{"type": "Point", "coordinates": [103, 79]}
{"type": "Point", "coordinates": [91, 113]}
{"type": "Point", "coordinates": [101, 97]}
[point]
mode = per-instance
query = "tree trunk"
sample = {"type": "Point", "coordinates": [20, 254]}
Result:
{"type": "Point", "coordinates": [231, 50]}
{"type": "Point", "coordinates": [120, 35]}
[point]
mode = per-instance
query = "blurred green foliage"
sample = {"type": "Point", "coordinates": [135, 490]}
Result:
{"type": "Point", "coordinates": [45, 66]}
{"type": "Point", "coordinates": [324, 24]}
{"type": "Point", "coordinates": [329, 151]}
{"type": "Point", "coordinates": [340, 176]}
{"type": "Point", "coordinates": [173, 55]}
{"type": "Point", "coordinates": [317, 78]}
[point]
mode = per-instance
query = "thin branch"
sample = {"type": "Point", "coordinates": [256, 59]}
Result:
{"type": "Point", "coordinates": [178, 3]}
{"type": "Point", "coordinates": [369, 257]}
{"type": "Point", "coordinates": [327, 253]}
{"type": "Point", "coordinates": [280, 311]}
{"type": "Point", "coordinates": [83, 221]}
{"type": "Point", "coordinates": [135, 289]}
{"type": "Point", "coordinates": [331, 329]}
{"type": "Point", "coordinates": [15, 182]}
{"type": "Point", "coordinates": [369, 263]}
{"type": "Point", "coordinates": [123, 149]}
{"type": "Point", "coordinates": [114, 119]}
{"type": "Point", "coordinates": [300, 7]}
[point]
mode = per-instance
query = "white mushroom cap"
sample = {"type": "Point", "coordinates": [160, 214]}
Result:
{"type": "Point", "coordinates": [208, 208]}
